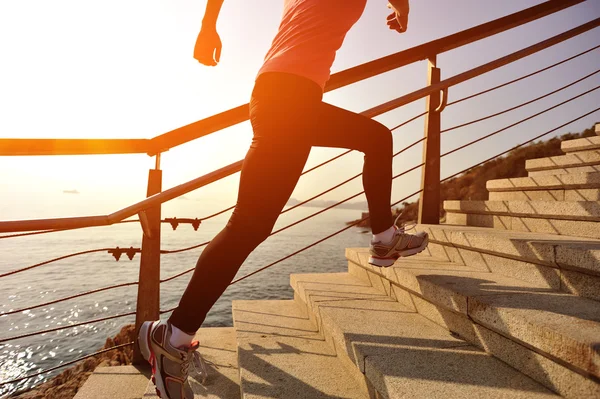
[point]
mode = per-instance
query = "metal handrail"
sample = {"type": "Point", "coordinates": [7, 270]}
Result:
{"type": "Point", "coordinates": [212, 124]}
{"type": "Point", "coordinates": [77, 222]}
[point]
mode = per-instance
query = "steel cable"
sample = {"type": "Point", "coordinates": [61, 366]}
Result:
{"type": "Point", "coordinates": [68, 298]}
{"type": "Point", "coordinates": [2, 340]}
{"type": "Point", "coordinates": [520, 105]}
{"type": "Point", "coordinates": [55, 260]}
{"type": "Point", "coordinates": [522, 77]}
{"type": "Point", "coordinates": [519, 122]}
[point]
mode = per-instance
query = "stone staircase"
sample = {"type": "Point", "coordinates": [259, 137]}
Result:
{"type": "Point", "coordinates": [505, 303]}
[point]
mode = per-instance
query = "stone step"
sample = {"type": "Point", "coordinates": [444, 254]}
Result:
{"type": "Point", "coordinates": [572, 210]}
{"type": "Point", "coordinates": [584, 194]}
{"type": "Point", "coordinates": [571, 181]}
{"type": "Point", "coordinates": [583, 144]}
{"type": "Point", "coordinates": [567, 187]}
{"type": "Point", "coordinates": [563, 171]}
{"type": "Point", "coordinates": [562, 252]}
{"type": "Point", "coordinates": [126, 382]}
{"type": "Point", "coordinates": [218, 348]}
{"type": "Point", "coordinates": [574, 160]}
{"type": "Point", "coordinates": [401, 353]}
{"type": "Point", "coordinates": [574, 218]}
{"type": "Point", "coordinates": [551, 337]}
{"type": "Point", "coordinates": [282, 355]}
{"type": "Point", "coordinates": [541, 274]}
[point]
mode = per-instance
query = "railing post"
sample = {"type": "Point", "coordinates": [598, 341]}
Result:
{"type": "Point", "coordinates": [429, 204]}
{"type": "Point", "coordinates": [148, 299]}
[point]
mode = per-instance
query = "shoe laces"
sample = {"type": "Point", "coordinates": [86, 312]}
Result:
{"type": "Point", "coordinates": [405, 226]}
{"type": "Point", "coordinates": [197, 363]}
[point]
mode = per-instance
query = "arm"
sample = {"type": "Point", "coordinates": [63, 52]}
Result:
{"type": "Point", "coordinates": [213, 7]}
{"type": "Point", "coordinates": [398, 20]}
{"type": "Point", "coordinates": [208, 45]}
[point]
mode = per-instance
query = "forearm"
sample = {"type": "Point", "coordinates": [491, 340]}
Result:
{"type": "Point", "coordinates": [213, 7]}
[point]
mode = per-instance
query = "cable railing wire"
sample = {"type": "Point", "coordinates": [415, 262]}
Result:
{"type": "Point", "coordinates": [519, 122]}
{"type": "Point", "coordinates": [525, 143]}
{"type": "Point", "coordinates": [66, 364]}
{"type": "Point", "coordinates": [2, 340]}
{"type": "Point", "coordinates": [68, 298]}
{"type": "Point", "coordinates": [522, 77]}
{"type": "Point", "coordinates": [520, 105]}
{"type": "Point", "coordinates": [54, 260]}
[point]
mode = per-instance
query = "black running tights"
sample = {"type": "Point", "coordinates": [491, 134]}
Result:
{"type": "Point", "coordinates": [288, 118]}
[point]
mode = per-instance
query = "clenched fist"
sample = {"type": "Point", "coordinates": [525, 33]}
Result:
{"type": "Point", "coordinates": [398, 20]}
{"type": "Point", "coordinates": [208, 47]}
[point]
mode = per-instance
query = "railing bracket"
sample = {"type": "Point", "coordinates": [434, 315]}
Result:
{"type": "Point", "coordinates": [443, 100]}
{"type": "Point", "coordinates": [130, 252]}
{"type": "Point", "coordinates": [176, 222]}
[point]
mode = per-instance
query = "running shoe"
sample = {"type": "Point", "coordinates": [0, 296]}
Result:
{"type": "Point", "coordinates": [401, 245]}
{"type": "Point", "coordinates": [170, 365]}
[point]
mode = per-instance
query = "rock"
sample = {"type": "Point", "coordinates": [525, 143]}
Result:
{"type": "Point", "coordinates": [66, 384]}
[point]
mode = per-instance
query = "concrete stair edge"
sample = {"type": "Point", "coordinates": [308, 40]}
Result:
{"type": "Point", "coordinates": [562, 327]}
{"type": "Point", "coordinates": [390, 344]}
{"type": "Point", "coordinates": [570, 160]}
{"type": "Point", "coordinates": [560, 251]}
{"type": "Point", "coordinates": [560, 210]}
{"type": "Point", "coordinates": [558, 194]}
{"type": "Point", "coordinates": [544, 275]}
{"type": "Point", "coordinates": [549, 182]}
{"type": "Point", "coordinates": [581, 144]}
{"type": "Point", "coordinates": [552, 375]}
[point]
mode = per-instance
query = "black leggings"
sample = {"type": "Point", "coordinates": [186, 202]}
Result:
{"type": "Point", "coordinates": [288, 117]}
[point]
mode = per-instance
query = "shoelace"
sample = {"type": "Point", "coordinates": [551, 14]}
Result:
{"type": "Point", "coordinates": [405, 226]}
{"type": "Point", "coordinates": [198, 366]}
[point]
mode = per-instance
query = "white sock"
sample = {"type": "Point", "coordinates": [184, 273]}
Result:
{"type": "Point", "coordinates": [385, 236]}
{"type": "Point", "coordinates": [179, 339]}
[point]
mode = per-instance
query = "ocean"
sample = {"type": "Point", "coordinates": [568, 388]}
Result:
{"type": "Point", "coordinates": [88, 272]}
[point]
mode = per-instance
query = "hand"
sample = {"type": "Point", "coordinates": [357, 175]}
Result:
{"type": "Point", "coordinates": [398, 20]}
{"type": "Point", "coordinates": [208, 47]}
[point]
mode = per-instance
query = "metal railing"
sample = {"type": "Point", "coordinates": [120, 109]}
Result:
{"type": "Point", "coordinates": [149, 210]}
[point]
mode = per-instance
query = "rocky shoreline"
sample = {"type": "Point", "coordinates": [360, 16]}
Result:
{"type": "Point", "coordinates": [66, 384]}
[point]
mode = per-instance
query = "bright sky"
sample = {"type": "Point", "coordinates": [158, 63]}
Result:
{"type": "Point", "coordinates": [124, 69]}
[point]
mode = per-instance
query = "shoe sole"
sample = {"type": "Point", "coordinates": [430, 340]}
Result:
{"type": "Point", "coordinates": [148, 354]}
{"type": "Point", "coordinates": [387, 262]}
